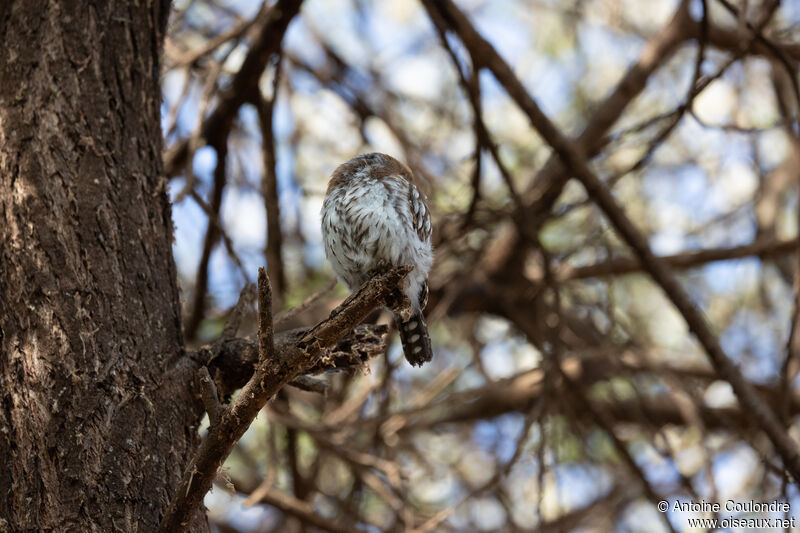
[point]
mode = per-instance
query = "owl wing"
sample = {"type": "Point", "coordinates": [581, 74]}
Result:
{"type": "Point", "coordinates": [420, 213]}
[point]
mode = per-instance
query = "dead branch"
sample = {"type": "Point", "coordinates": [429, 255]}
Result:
{"type": "Point", "coordinates": [270, 375]}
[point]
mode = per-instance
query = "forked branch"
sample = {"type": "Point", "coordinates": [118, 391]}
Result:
{"type": "Point", "coordinates": [279, 362]}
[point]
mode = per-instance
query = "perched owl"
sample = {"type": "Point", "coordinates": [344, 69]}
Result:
{"type": "Point", "coordinates": [374, 216]}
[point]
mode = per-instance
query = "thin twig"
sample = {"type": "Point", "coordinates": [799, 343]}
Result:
{"type": "Point", "coordinates": [269, 185]}
{"type": "Point", "coordinates": [213, 232]}
{"type": "Point", "coordinates": [237, 313]}
{"type": "Point", "coordinates": [301, 510]}
{"type": "Point", "coordinates": [208, 391]}
{"type": "Point", "coordinates": [266, 335]}
{"type": "Point", "coordinates": [762, 248]}
{"type": "Point", "coordinates": [309, 384]}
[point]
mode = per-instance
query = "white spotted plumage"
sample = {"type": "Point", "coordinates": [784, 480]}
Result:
{"type": "Point", "coordinates": [373, 214]}
{"type": "Point", "coordinates": [366, 220]}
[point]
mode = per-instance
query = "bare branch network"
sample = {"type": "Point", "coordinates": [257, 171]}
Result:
{"type": "Point", "coordinates": [615, 294]}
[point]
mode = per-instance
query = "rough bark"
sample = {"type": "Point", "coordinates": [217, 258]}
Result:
{"type": "Point", "coordinates": [96, 423]}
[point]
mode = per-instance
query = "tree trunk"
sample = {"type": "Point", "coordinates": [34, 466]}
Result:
{"type": "Point", "coordinates": [98, 419]}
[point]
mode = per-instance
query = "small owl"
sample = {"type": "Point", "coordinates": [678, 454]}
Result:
{"type": "Point", "coordinates": [374, 216]}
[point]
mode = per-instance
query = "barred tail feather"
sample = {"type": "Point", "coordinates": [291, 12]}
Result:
{"type": "Point", "coordinates": [415, 340]}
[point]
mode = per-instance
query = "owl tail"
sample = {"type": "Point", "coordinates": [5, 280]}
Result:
{"type": "Point", "coordinates": [415, 340]}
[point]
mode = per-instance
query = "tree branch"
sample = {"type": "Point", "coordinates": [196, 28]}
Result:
{"type": "Point", "coordinates": [208, 391]}
{"type": "Point", "coordinates": [266, 43]}
{"type": "Point", "coordinates": [213, 231]}
{"type": "Point", "coordinates": [266, 335]}
{"type": "Point", "coordinates": [269, 189]}
{"type": "Point", "coordinates": [302, 510]}
{"type": "Point", "coordinates": [233, 361]}
{"type": "Point", "coordinates": [270, 375]}
{"type": "Point", "coordinates": [762, 248]}
{"type": "Point", "coordinates": [573, 159]}
{"type": "Point", "coordinates": [550, 180]}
